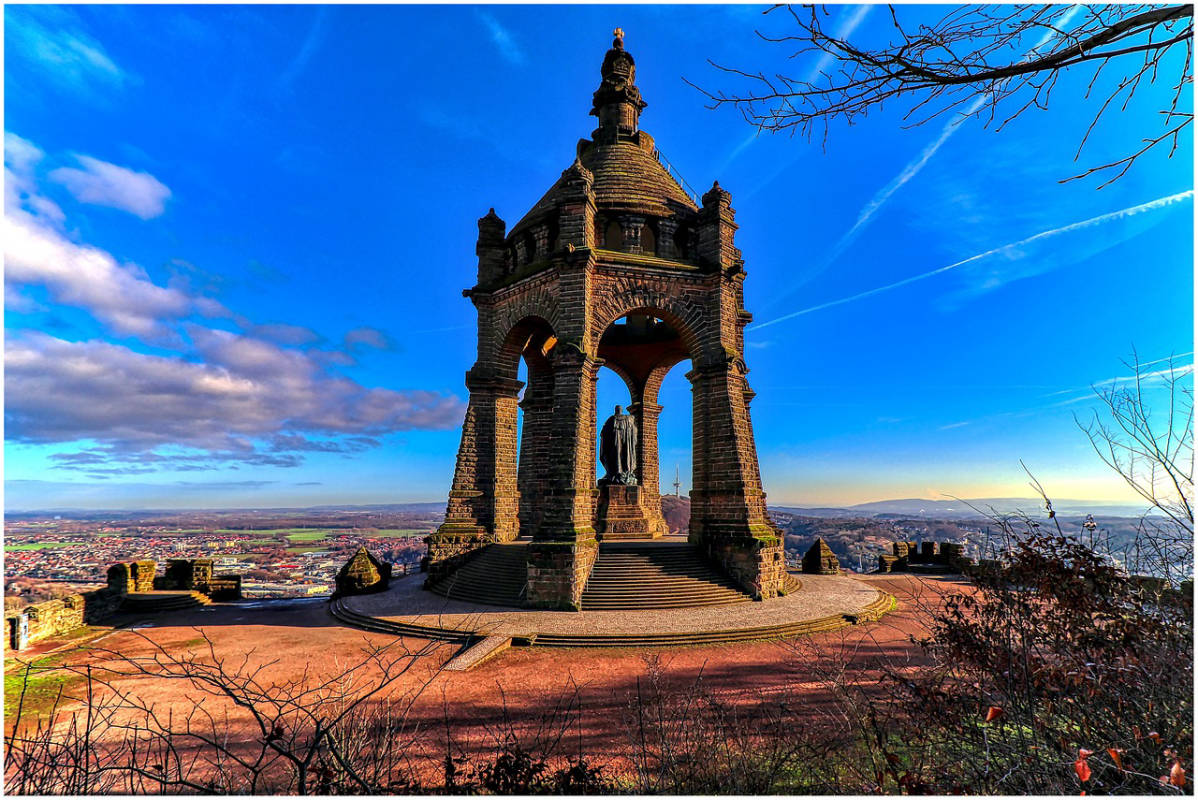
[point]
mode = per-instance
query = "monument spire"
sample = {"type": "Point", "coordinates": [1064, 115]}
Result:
{"type": "Point", "coordinates": [617, 102]}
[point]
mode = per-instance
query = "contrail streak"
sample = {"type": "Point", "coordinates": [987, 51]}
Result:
{"type": "Point", "coordinates": [913, 168]}
{"type": "Point", "coordinates": [843, 32]}
{"type": "Point", "coordinates": [1151, 205]}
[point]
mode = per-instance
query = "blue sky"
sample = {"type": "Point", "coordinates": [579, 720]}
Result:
{"type": "Point", "coordinates": [236, 239]}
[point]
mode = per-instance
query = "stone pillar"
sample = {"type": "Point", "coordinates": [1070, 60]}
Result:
{"type": "Point", "coordinates": [534, 446]}
{"type": "Point", "coordinates": [540, 237]}
{"type": "Point", "coordinates": [666, 248]}
{"type": "Point", "coordinates": [576, 209]}
{"type": "Point", "coordinates": [564, 548]}
{"type": "Point", "coordinates": [728, 516]}
{"type": "Point", "coordinates": [632, 224]}
{"type": "Point", "coordinates": [143, 575]}
{"type": "Point", "coordinates": [483, 503]}
{"type": "Point", "coordinates": [648, 468]}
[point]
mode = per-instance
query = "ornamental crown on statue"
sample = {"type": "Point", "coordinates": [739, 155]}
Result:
{"type": "Point", "coordinates": [615, 266]}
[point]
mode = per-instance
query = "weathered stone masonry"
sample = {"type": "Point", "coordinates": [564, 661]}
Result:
{"type": "Point", "coordinates": [615, 266]}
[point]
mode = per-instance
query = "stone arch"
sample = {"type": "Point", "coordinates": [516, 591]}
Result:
{"type": "Point", "coordinates": [531, 338]}
{"type": "Point", "coordinates": [649, 237]}
{"type": "Point", "coordinates": [683, 315]}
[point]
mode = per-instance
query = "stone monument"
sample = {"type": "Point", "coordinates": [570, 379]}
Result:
{"type": "Point", "coordinates": [616, 266]}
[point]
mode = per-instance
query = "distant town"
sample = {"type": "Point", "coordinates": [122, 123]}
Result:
{"type": "Point", "coordinates": [278, 553]}
{"type": "Point", "coordinates": [282, 553]}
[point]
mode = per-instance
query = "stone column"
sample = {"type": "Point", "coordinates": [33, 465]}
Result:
{"type": "Point", "coordinates": [540, 237]}
{"type": "Point", "coordinates": [535, 446]}
{"type": "Point", "coordinates": [648, 471]}
{"type": "Point", "coordinates": [632, 224]}
{"type": "Point", "coordinates": [728, 517]}
{"type": "Point", "coordinates": [483, 503]}
{"type": "Point", "coordinates": [564, 548]}
{"type": "Point", "coordinates": [666, 248]}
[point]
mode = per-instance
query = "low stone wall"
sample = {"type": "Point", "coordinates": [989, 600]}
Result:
{"type": "Point", "coordinates": [905, 554]}
{"type": "Point", "coordinates": [57, 617]}
{"type": "Point", "coordinates": [60, 616]}
{"type": "Point", "coordinates": [196, 574]}
{"type": "Point", "coordinates": [221, 587]}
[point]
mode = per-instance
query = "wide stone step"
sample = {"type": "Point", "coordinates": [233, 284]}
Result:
{"type": "Point", "coordinates": [496, 576]}
{"type": "Point", "coordinates": [161, 601]}
{"type": "Point", "coordinates": [645, 576]}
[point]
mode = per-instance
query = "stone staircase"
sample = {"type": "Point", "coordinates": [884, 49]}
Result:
{"type": "Point", "coordinates": [159, 601]}
{"type": "Point", "coordinates": [653, 575]}
{"type": "Point", "coordinates": [627, 576]}
{"type": "Point", "coordinates": [496, 576]}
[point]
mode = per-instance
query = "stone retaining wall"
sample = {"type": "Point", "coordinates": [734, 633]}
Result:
{"type": "Point", "coordinates": [63, 615]}
{"type": "Point", "coordinates": [60, 616]}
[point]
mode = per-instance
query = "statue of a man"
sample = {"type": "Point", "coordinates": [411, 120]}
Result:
{"type": "Point", "coordinates": [617, 449]}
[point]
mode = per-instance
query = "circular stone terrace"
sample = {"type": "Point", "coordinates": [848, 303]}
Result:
{"type": "Point", "coordinates": [819, 603]}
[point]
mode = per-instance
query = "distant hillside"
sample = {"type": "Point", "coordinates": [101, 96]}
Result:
{"type": "Point", "coordinates": [677, 511]}
{"type": "Point", "coordinates": [964, 509]}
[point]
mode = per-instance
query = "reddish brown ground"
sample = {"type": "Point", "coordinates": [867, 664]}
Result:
{"type": "Point", "coordinates": [525, 684]}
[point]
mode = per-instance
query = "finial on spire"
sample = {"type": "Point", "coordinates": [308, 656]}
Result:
{"type": "Point", "coordinates": [619, 42]}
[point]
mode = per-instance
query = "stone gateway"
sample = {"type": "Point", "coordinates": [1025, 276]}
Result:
{"type": "Point", "coordinates": [617, 266]}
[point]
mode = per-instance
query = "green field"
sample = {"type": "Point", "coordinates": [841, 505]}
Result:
{"type": "Point", "coordinates": [311, 535]}
{"type": "Point", "coordinates": [396, 532]}
{"type": "Point", "coordinates": [41, 545]}
{"type": "Point", "coordinates": [262, 531]}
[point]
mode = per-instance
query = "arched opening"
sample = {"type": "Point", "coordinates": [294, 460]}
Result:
{"type": "Point", "coordinates": [642, 349]}
{"type": "Point", "coordinates": [649, 238]}
{"type": "Point", "coordinates": [675, 444]}
{"type": "Point", "coordinates": [526, 357]}
{"type": "Point", "coordinates": [611, 390]}
{"type": "Point", "coordinates": [613, 237]}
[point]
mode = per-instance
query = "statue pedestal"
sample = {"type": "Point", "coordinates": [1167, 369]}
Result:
{"type": "Point", "coordinates": [621, 515]}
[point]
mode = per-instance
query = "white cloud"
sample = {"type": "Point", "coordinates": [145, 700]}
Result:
{"type": "Point", "coordinates": [367, 337]}
{"type": "Point", "coordinates": [502, 38]}
{"type": "Point", "coordinates": [105, 184]}
{"type": "Point", "coordinates": [221, 400]}
{"type": "Point", "coordinates": [20, 189]}
{"type": "Point", "coordinates": [37, 252]}
{"type": "Point", "coordinates": [52, 41]}
{"type": "Point", "coordinates": [88, 277]}
{"type": "Point", "coordinates": [250, 402]}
